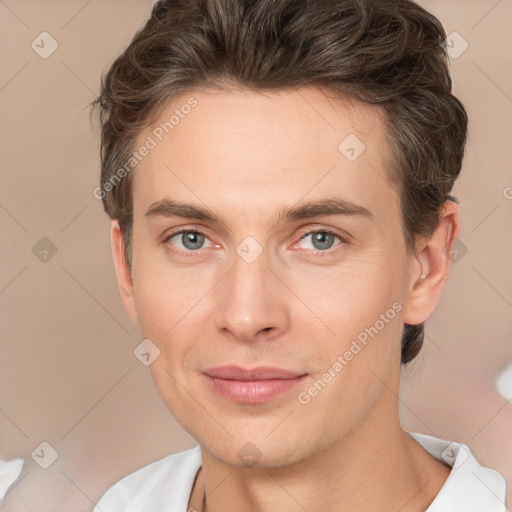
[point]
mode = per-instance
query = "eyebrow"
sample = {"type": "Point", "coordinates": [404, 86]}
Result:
{"type": "Point", "coordinates": [328, 206]}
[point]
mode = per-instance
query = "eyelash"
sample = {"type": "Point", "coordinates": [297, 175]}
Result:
{"type": "Point", "coordinates": [316, 252]}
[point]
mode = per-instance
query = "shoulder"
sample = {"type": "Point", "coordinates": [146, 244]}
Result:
{"type": "Point", "coordinates": [162, 485]}
{"type": "Point", "coordinates": [470, 487]}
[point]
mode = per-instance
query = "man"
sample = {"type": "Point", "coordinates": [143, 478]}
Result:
{"type": "Point", "coordinates": [278, 177]}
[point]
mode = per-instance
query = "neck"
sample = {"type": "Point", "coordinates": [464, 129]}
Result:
{"type": "Point", "coordinates": [376, 466]}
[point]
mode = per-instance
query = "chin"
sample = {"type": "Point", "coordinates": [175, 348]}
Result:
{"type": "Point", "coordinates": [253, 450]}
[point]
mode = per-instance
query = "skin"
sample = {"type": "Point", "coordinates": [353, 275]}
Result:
{"type": "Point", "coordinates": [247, 155]}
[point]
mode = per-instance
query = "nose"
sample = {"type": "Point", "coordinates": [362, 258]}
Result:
{"type": "Point", "coordinates": [251, 302]}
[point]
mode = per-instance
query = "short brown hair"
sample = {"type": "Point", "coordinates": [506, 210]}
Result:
{"type": "Point", "coordinates": [389, 53]}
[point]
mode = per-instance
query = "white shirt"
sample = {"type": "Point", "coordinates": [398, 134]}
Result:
{"type": "Point", "coordinates": [9, 472]}
{"type": "Point", "coordinates": [165, 485]}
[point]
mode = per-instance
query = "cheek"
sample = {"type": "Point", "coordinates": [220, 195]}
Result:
{"type": "Point", "coordinates": [358, 351]}
{"type": "Point", "coordinates": [345, 300]}
{"type": "Point", "coordinates": [358, 308]}
{"type": "Point", "coordinates": [165, 299]}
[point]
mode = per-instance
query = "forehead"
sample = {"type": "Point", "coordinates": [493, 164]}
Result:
{"type": "Point", "coordinates": [274, 148]}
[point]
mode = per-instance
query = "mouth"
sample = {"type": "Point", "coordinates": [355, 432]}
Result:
{"type": "Point", "coordinates": [252, 386]}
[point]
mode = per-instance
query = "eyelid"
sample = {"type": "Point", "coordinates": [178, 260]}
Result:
{"type": "Point", "coordinates": [169, 233]}
{"type": "Point", "coordinates": [324, 229]}
{"type": "Point", "coordinates": [184, 229]}
{"type": "Point", "coordinates": [318, 252]}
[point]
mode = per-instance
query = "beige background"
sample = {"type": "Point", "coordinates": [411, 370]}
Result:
{"type": "Point", "coordinates": [68, 374]}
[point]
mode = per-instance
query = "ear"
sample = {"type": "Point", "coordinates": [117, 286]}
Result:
{"type": "Point", "coordinates": [433, 261]}
{"type": "Point", "coordinates": [124, 278]}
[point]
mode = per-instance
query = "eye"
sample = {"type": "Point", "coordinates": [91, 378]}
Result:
{"type": "Point", "coordinates": [190, 240]}
{"type": "Point", "coordinates": [321, 240]}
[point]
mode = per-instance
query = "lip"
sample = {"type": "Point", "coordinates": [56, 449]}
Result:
{"type": "Point", "coordinates": [252, 385]}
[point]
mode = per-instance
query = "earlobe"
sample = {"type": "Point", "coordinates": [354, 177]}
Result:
{"type": "Point", "coordinates": [433, 262]}
{"type": "Point", "coordinates": [124, 276]}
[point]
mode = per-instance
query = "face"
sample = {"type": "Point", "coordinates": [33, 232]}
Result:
{"type": "Point", "coordinates": [262, 244]}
